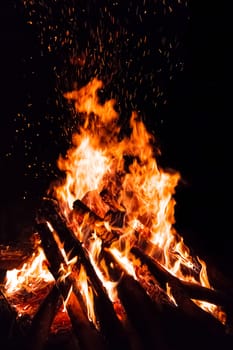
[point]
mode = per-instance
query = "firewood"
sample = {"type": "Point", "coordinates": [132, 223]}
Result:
{"type": "Point", "coordinates": [129, 288]}
{"type": "Point", "coordinates": [40, 327]}
{"type": "Point", "coordinates": [93, 219]}
{"type": "Point", "coordinates": [9, 327]}
{"type": "Point", "coordinates": [84, 330]}
{"type": "Point", "coordinates": [13, 255]}
{"type": "Point", "coordinates": [194, 291]}
{"type": "Point", "coordinates": [110, 325]}
{"type": "Point", "coordinates": [146, 320]}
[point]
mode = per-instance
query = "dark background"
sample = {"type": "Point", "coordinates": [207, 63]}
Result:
{"type": "Point", "coordinates": [194, 128]}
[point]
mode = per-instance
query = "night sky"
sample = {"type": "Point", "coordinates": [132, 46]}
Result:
{"type": "Point", "coordinates": [166, 59]}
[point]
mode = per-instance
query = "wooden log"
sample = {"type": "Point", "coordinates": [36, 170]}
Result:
{"type": "Point", "coordinates": [87, 335]}
{"type": "Point", "coordinates": [9, 327]}
{"type": "Point", "coordinates": [146, 321]}
{"type": "Point", "coordinates": [110, 325]}
{"type": "Point", "coordinates": [40, 327]}
{"type": "Point", "coordinates": [194, 291]}
{"type": "Point", "coordinates": [13, 255]}
{"type": "Point", "coordinates": [131, 294]}
{"type": "Point", "coordinates": [107, 236]}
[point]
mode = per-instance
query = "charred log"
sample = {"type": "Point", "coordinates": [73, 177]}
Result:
{"type": "Point", "coordinates": [40, 327]}
{"type": "Point", "coordinates": [14, 255]}
{"type": "Point", "coordinates": [107, 236]}
{"type": "Point", "coordinates": [84, 330]}
{"type": "Point", "coordinates": [131, 294]}
{"type": "Point", "coordinates": [110, 325]}
{"type": "Point", "coordinates": [194, 291]}
{"type": "Point", "coordinates": [9, 327]}
{"type": "Point", "coordinates": [145, 320]}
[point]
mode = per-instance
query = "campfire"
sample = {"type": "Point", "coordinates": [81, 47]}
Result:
{"type": "Point", "coordinates": [105, 267]}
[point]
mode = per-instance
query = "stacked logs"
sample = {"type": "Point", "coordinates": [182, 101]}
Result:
{"type": "Point", "coordinates": [148, 321]}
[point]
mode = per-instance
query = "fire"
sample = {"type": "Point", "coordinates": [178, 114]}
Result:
{"type": "Point", "coordinates": [109, 173]}
{"type": "Point", "coordinates": [100, 161]}
{"type": "Point", "coordinates": [27, 286]}
{"type": "Point", "coordinates": [32, 273]}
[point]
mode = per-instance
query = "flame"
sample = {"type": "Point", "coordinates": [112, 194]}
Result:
{"type": "Point", "coordinates": [27, 286]}
{"type": "Point", "coordinates": [32, 273]}
{"type": "Point", "coordinates": [87, 293]}
{"type": "Point", "coordinates": [100, 160]}
{"type": "Point", "coordinates": [112, 173]}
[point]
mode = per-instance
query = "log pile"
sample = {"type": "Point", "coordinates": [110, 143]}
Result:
{"type": "Point", "coordinates": [148, 318]}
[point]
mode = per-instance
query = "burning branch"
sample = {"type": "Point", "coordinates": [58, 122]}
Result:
{"type": "Point", "coordinates": [109, 323]}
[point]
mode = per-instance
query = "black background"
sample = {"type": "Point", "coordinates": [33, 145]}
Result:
{"type": "Point", "coordinates": [195, 134]}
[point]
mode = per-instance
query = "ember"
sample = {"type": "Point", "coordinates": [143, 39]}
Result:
{"type": "Point", "coordinates": [108, 264]}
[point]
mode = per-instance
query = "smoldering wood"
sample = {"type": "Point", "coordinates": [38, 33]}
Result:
{"type": "Point", "coordinates": [114, 217]}
{"type": "Point", "coordinates": [87, 335]}
{"type": "Point", "coordinates": [183, 299]}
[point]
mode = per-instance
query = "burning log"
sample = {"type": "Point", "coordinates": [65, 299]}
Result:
{"type": "Point", "coordinates": [14, 255]}
{"type": "Point", "coordinates": [85, 332]}
{"type": "Point", "coordinates": [109, 323]}
{"type": "Point", "coordinates": [131, 294]}
{"type": "Point", "coordinates": [146, 321]}
{"type": "Point", "coordinates": [190, 290]}
{"type": "Point", "coordinates": [40, 327]}
{"type": "Point", "coordinates": [193, 291]}
{"type": "Point", "coordinates": [107, 236]}
{"type": "Point", "coordinates": [182, 291]}
{"type": "Point", "coordinates": [8, 323]}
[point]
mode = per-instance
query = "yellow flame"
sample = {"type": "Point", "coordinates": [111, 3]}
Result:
{"type": "Point", "coordinates": [30, 275]}
{"type": "Point", "coordinates": [97, 161]}
{"type": "Point", "coordinates": [101, 161]}
{"type": "Point", "coordinates": [87, 293]}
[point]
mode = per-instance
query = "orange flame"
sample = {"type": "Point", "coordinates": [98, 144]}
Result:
{"type": "Point", "coordinates": [144, 191]}
{"type": "Point", "coordinates": [125, 169]}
